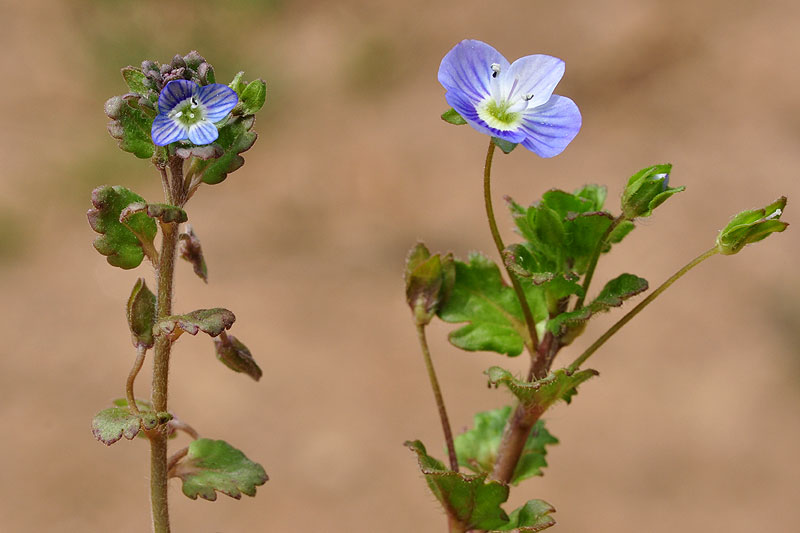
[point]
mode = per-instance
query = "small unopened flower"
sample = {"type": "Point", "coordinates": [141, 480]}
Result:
{"type": "Point", "coordinates": [189, 111]}
{"type": "Point", "coordinates": [513, 102]}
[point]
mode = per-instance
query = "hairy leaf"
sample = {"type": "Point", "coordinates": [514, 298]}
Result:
{"type": "Point", "coordinates": [211, 321]}
{"type": "Point", "coordinates": [109, 425]}
{"type": "Point", "coordinates": [234, 138]}
{"type": "Point", "coordinates": [558, 385]}
{"type": "Point", "coordinates": [213, 466]}
{"type": "Point", "coordinates": [467, 498]}
{"type": "Point", "coordinates": [130, 125]}
{"type": "Point", "coordinates": [121, 243]}
{"type": "Point", "coordinates": [532, 517]}
{"type": "Point", "coordinates": [236, 356]}
{"type": "Point", "coordinates": [476, 449]}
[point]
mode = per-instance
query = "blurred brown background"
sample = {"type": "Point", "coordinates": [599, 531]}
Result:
{"type": "Point", "coordinates": [693, 424]}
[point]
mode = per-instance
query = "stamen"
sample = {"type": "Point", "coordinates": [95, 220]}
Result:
{"type": "Point", "coordinates": [778, 212]}
{"type": "Point", "coordinates": [528, 97]}
{"type": "Point", "coordinates": [495, 69]}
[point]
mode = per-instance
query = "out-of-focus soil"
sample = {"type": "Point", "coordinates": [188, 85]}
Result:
{"type": "Point", "coordinates": [693, 423]}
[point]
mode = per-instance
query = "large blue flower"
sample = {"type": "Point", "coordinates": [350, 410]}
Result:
{"type": "Point", "coordinates": [514, 102]}
{"type": "Point", "coordinates": [188, 111]}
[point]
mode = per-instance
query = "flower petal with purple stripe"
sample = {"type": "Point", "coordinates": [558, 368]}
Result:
{"type": "Point", "coordinates": [167, 130]}
{"type": "Point", "coordinates": [174, 93]}
{"type": "Point", "coordinates": [203, 132]}
{"type": "Point", "coordinates": [218, 100]}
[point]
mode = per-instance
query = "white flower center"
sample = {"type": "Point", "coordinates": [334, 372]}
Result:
{"type": "Point", "coordinates": [503, 108]}
{"type": "Point", "coordinates": [188, 111]}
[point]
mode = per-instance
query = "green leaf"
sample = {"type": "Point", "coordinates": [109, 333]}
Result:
{"type": "Point", "coordinates": [751, 226]}
{"type": "Point", "coordinates": [646, 190]}
{"type": "Point", "coordinates": [543, 393]}
{"type": "Point", "coordinates": [190, 250]}
{"type": "Point", "coordinates": [236, 356]}
{"type": "Point", "coordinates": [109, 425]}
{"type": "Point", "coordinates": [531, 517]}
{"type": "Point", "coordinates": [253, 97]}
{"type": "Point", "coordinates": [136, 80]}
{"type": "Point", "coordinates": [164, 212]}
{"type": "Point", "coordinates": [141, 314]}
{"type": "Point", "coordinates": [130, 125]}
{"type": "Point", "coordinates": [495, 319]}
{"type": "Point", "coordinates": [505, 146]}
{"type": "Point", "coordinates": [211, 321]}
{"type": "Point", "coordinates": [235, 138]}
{"type": "Point", "coordinates": [118, 241]}
{"type": "Point", "coordinates": [476, 449]}
{"type": "Point", "coordinates": [237, 84]}
{"type": "Point", "coordinates": [467, 498]}
{"type": "Point", "coordinates": [451, 116]}
{"type": "Point", "coordinates": [144, 406]}
{"type": "Point", "coordinates": [613, 294]}
{"type": "Point", "coordinates": [596, 194]}
{"type": "Point", "coordinates": [213, 466]}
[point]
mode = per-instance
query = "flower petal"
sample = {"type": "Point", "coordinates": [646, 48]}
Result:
{"type": "Point", "coordinates": [537, 75]}
{"type": "Point", "coordinates": [203, 132]}
{"type": "Point", "coordinates": [468, 111]}
{"type": "Point", "coordinates": [552, 126]}
{"type": "Point", "coordinates": [174, 93]}
{"type": "Point", "coordinates": [467, 69]}
{"type": "Point", "coordinates": [166, 130]}
{"type": "Point", "coordinates": [218, 100]}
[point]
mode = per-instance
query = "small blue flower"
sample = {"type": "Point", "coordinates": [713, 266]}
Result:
{"type": "Point", "coordinates": [188, 111]}
{"type": "Point", "coordinates": [514, 102]}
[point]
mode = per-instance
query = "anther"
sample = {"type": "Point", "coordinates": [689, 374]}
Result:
{"type": "Point", "coordinates": [495, 69]}
{"type": "Point", "coordinates": [528, 97]}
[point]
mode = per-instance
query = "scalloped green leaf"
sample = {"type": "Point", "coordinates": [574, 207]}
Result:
{"type": "Point", "coordinates": [532, 517]}
{"type": "Point", "coordinates": [468, 499]}
{"type": "Point", "coordinates": [234, 138]}
{"type": "Point", "coordinates": [213, 466]}
{"type": "Point", "coordinates": [451, 116]}
{"type": "Point", "coordinates": [136, 80]}
{"type": "Point", "coordinates": [211, 321]}
{"type": "Point", "coordinates": [613, 294]}
{"type": "Point", "coordinates": [253, 97]}
{"type": "Point", "coordinates": [121, 243]}
{"type": "Point", "coordinates": [558, 385]}
{"type": "Point", "coordinates": [130, 125]}
{"type": "Point", "coordinates": [495, 320]}
{"type": "Point", "coordinates": [476, 448]}
{"type": "Point", "coordinates": [141, 314]}
{"type": "Point", "coordinates": [164, 212]}
{"type": "Point", "coordinates": [110, 425]}
{"type": "Point", "coordinates": [235, 355]}
{"type": "Point", "coordinates": [190, 250]}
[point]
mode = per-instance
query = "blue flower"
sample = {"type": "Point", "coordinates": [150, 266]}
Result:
{"type": "Point", "coordinates": [188, 111]}
{"type": "Point", "coordinates": [514, 102]}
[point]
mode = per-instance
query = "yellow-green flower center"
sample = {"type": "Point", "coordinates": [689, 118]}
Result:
{"type": "Point", "coordinates": [188, 112]}
{"type": "Point", "coordinates": [498, 115]}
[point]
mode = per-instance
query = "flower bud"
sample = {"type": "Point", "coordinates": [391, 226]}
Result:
{"type": "Point", "coordinates": [751, 226]}
{"type": "Point", "coordinates": [646, 190]}
{"type": "Point", "coordinates": [429, 282]}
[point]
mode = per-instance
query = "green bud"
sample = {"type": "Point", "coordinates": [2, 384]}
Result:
{"type": "Point", "coordinates": [751, 226]}
{"type": "Point", "coordinates": [429, 282]}
{"type": "Point", "coordinates": [646, 190]}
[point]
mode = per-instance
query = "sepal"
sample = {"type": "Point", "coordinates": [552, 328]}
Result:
{"type": "Point", "coordinates": [751, 226]}
{"type": "Point", "coordinates": [429, 282]}
{"type": "Point", "coordinates": [235, 355]}
{"type": "Point", "coordinates": [646, 190]}
{"type": "Point", "coordinates": [141, 313]}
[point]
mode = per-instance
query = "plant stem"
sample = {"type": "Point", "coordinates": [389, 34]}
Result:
{"type": "Point", "coordinates": [498, 241]}
{"type": "Point", "coordinates": [437, 393]}
{"type": "Point", "coordinates": [587, 280]}
{"type": "Point", "coordinates": [137, 366]}
{"type": "Point", "coordinates": [644, 303]}
{"type": "Point", "coordinates": [177, 456]}
{"type": "Point", "coordinates": [515, 436]}
{"type": "Point", "coordinates": [158, 438]}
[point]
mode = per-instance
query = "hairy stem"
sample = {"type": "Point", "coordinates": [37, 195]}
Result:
{"type": "Point", "coordinates": [137, 366]}
{"type": "Point", "coordinates": [644, 303]}
{"type": "Point", "coordinates": [498, 241]}
{"type": "Point", "coordinates": [516, 434]}
{"type": "Point", "coordinates": [437, 393]}
{"type": "Point", "coordinates": [177, 456]}
{"type": "Point", "coordinates": [159, 475]}
{"type": "Point", "coordinates": [587, 279]}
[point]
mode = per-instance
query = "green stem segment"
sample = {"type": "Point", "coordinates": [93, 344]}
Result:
{"type": "Point", "coordinates": [137, 366]}
{"type": "Point", "coordinates": [498, 241]}
{"type": "Point", "coordinates": [587, 279]}
{"type": "Point", "coordinates": [437, 393]}
{"type": "Point", "coordinates": [644, 303]}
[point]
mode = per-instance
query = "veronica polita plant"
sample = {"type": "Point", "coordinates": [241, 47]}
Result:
{"type": "Point", "coordinates": [193, 130]}
{"type": "Point", "coordinates": [548, 297]}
